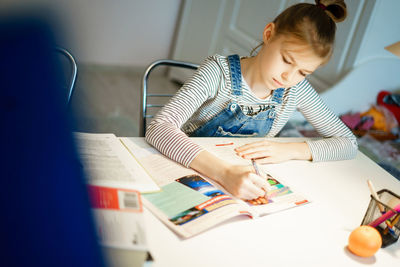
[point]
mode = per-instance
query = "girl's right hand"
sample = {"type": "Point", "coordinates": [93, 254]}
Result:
{"type": "Point", "coordinates": [241, 181]}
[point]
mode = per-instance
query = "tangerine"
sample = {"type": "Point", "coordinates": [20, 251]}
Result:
{"type": "Point", "coordinates": [364, 241]}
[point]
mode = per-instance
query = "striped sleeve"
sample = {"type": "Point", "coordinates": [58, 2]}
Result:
{"type": "Point", "coordinates": [165, 133]}
{"type": "Point", "coordinates": [339, 142]}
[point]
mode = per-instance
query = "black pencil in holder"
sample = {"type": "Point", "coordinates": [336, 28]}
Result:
{"type": "Point", "coordinates": [389, 234]}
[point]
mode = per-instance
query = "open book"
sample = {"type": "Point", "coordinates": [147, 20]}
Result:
{"type": "Point", "coordinates": [189, 203]}
{"type": "Point", "coordinates": [115, 181]}
{"type": "Point", "coordinates": [107, 162]}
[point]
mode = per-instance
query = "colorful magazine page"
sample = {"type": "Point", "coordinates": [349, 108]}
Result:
{"type": "Point", "coordinates": [190, 205]}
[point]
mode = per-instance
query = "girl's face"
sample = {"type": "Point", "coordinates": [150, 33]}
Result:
{"type": "Point", "coordinates": [284, 62]}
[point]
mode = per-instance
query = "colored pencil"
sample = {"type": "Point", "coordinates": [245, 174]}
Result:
{"type": "Point", "coordinates": [380, 207]}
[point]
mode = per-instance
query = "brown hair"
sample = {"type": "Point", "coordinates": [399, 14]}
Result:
{"type": "Point", "coordinates": [311, 24]}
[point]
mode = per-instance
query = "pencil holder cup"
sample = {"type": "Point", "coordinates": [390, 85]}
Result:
{"type": "Point", "coordinates": [389, 228]}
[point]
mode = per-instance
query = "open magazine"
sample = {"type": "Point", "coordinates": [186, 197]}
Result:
{"type": "Point", "coordinates": [189, 203]}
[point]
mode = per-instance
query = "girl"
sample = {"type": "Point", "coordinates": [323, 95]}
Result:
{"type": "Point", "coordinates": [255, 96]}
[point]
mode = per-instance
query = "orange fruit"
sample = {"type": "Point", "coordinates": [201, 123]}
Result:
{"type": "Point", "coordinates": [364, 241]}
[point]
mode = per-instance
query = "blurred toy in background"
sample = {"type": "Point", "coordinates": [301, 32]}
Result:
{"type": "Point", "coordinates": [390, 101]}
{"type": "Point", "coordinates": [357, 122]}
{"type": "Point", "coordinates": [381, 120]}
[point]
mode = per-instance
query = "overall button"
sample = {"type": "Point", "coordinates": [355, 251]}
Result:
{"type": "Point", "coordinates": [233, 107]}
{"type": "Point", "coordinates": [271, 114]}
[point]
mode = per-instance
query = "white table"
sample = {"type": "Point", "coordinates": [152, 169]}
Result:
{"type": "Point", "coordinates": [315, 234]}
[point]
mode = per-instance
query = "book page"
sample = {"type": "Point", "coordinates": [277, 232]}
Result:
{"type": "Point", "coordinates": [224, 147]}
{"type": "Point", "coordinates": [107, 162]}
{"type": "Point", "coordinates": [162, 169]}
{"type": "Point", "coordinates": [187, 203]}
{"type": "Point", "coordinates": [279, 196]}
{"type": "Point", "coordinates": [190, 205]}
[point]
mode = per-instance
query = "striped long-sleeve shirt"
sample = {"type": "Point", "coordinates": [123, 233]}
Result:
{"type": "Point", "coordinates": [209, 91]}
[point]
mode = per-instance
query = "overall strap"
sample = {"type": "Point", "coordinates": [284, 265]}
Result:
{"type": "Point", "coordinates": [277, 95]}
{"type": "Point", "coordinates": [236, 74]}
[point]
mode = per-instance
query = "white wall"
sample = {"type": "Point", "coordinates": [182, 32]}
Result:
{"type": "Point", "coordinates": [383, 30]}
{"type": "Point", "coordinates": [113, 32]}
{"type": "Point", "coordinates": [120, 32]}
{"type": "Point", "coordinates": [136, 32]}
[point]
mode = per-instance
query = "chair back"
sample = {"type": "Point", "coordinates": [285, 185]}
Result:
{"type": "Point", "coordinates": [73, 71]}
{"type": "Point", "coordinates": [145, 95]}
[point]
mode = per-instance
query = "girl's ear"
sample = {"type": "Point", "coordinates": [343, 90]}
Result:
{"type": "Point", "coordinates": [269, 31]}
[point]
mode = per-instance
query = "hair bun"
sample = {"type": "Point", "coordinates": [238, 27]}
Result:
{"type": "Point", "coordinates": [335, 9]}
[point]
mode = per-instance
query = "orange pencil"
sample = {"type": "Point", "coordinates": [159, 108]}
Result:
{"type": "Point", "coordinates": [227, 144]}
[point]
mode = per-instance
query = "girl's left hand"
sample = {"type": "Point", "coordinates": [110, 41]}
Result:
{"type": "Point", "coordinates": [274, 152]}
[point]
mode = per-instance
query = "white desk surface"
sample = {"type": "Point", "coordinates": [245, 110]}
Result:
{"type": "Point", "coordinates": [315, 234]}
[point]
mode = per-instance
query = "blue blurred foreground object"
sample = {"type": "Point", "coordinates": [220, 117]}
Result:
{"type": "Point", "coordinates": [45, 214]}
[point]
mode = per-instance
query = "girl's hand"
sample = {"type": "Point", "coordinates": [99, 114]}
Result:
{"type": "Point", "coordinates": [241, 181]}
{"type": "Point", "coordinates": [274, 152]}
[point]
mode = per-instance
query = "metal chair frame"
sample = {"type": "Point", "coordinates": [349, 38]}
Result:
{"type": "Point", "coordinates": [145, 95]}
{"type": "Point", "coordinates": [74, 71]}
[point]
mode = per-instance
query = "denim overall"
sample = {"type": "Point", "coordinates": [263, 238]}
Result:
{"type": "Point", "coordinates": [232, 122]}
